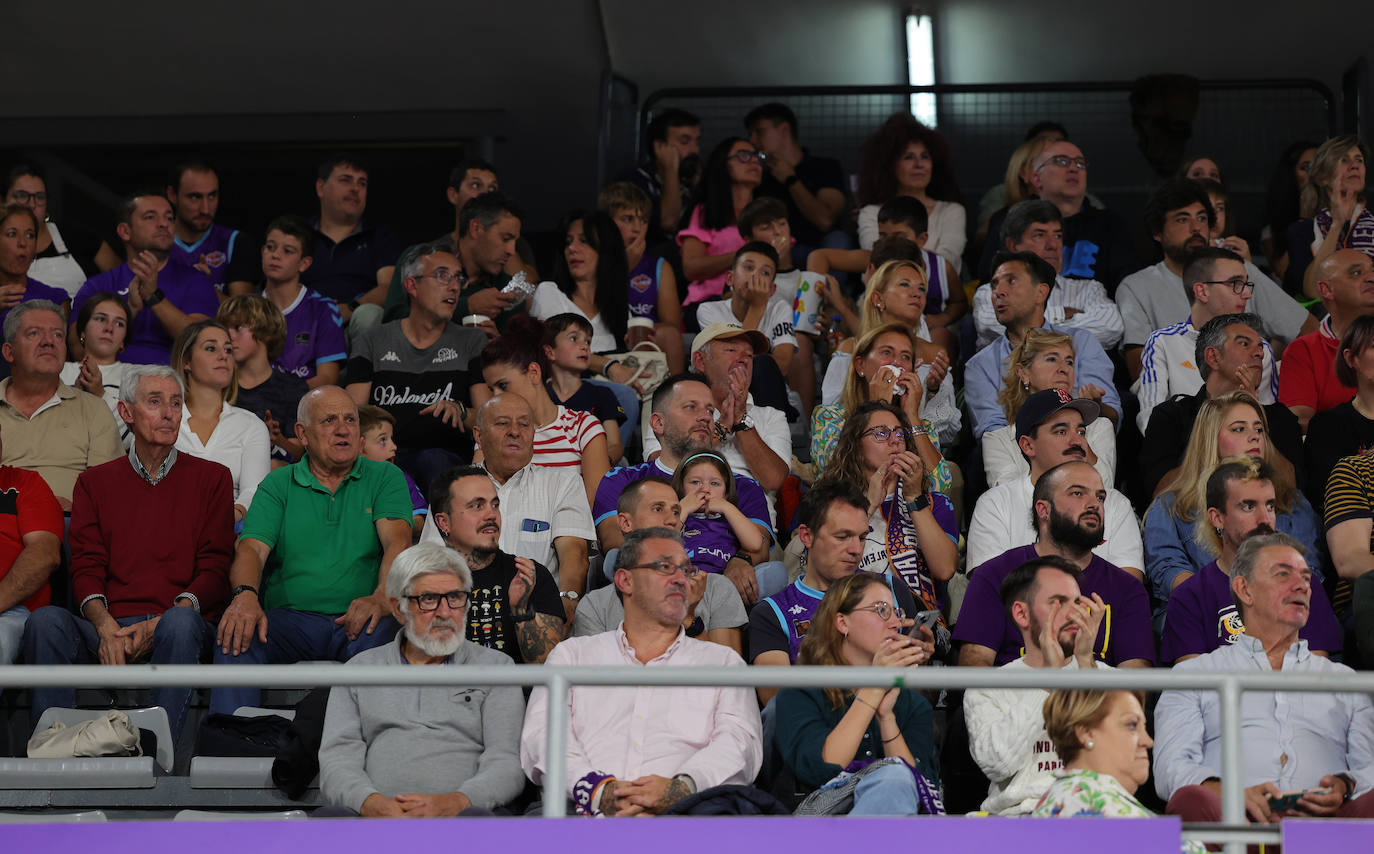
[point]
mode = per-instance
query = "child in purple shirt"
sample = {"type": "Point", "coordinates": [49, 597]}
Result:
{"type": "Point", "coordinates": [315, 347]}
{"type": "Point", "coordinates": [713, 528]}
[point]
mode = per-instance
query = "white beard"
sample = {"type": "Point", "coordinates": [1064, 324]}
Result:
{"type": "Point", "coordinates": [434, 646]}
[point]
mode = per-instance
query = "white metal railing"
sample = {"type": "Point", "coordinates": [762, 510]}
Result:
{"type": "Point", "coordinates": [1229, 685]}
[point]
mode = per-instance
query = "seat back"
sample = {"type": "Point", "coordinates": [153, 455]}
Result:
{"type": "Point", "coordinates": [153, 719]}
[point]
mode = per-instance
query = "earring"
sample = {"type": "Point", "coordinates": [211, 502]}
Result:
{"type": "Point", "coordinates": [1025, 386]}
{"type": "Point", "coordinates": [878, 306]}
{"type": "Point", "coordinates": [1090, 745]}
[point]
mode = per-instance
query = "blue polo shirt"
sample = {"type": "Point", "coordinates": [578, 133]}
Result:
{"type": "Point", "coordinates": [346, 270]}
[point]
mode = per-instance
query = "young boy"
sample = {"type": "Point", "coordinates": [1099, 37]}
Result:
{"type": "Point", "coordinates": [257, 332]}
{"type": "Point", "coordinates": [653, 286]}
{"type": "Point", "coordinates": [752, 302]}
{"type": "Point", "coordinates": [314, 342]}
{"type": "Point", "coordinates": [375, 426]}
{"type": "Point", "coordinates": [765, 220]}
{"type": "Point", "coordinates": [568, 357]}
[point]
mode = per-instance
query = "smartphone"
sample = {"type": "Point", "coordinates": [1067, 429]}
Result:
{"type": "Point", "coordinates": [1288, 801]}
{"type": "Point", "coordinates": [928, 619]}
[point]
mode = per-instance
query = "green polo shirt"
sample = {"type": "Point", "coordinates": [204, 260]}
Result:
{"type": "Point", "coordinates": [325, 549]}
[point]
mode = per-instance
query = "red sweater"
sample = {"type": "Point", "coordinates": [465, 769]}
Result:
{"type": "Point", "coordinates": [26, 505]}
{"type": "Point", "coordinates": [142, 545]}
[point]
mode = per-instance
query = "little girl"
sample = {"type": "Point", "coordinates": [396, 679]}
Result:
{"type": "Point", "coordinates": [713, 527]}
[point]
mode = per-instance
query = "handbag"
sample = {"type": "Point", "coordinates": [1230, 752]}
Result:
{"type": "Point", "coordinates": [111, 734]}
{"type": "Point", "coordinates": [837, 796]}
{"type": "Point", "coordinates": [649, 362]}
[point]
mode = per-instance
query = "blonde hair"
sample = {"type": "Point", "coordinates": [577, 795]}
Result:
{"type": "Point", "coordinates": [1066, 711]}
{"type": "Point", "coordinates": [1189, 486]}
{"type": "Point", "coordinates": [1023, 156]}
{"type": "Point", "coordinates": [1316, 195]}
{"type": "Point", "coordinates": [181, 356]}
{"type": "Point", "coordinates": [1037, 341]}
{"type": "Point", "coordinates": [855, 391]}
{"type": "Point", "coordinates": [869, 315]}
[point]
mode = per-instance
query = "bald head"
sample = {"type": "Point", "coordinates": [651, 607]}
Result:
{"type": "Point", "coordinates": [1345, 282]}
{"type": "Point", "coordinates": [322, 397]}
{"type": "Point", "coordinates": [327, 424]}
{"type": "Point", "coordinates": [505, 433]}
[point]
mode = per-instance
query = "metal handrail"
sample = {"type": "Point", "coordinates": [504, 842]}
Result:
{"type": "Point", "coordinates": [558, 680]}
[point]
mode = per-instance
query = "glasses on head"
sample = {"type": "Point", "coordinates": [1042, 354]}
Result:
{"type": "Point", "coordinates": [457, 600]}
{"type": "Point", "coordinates": [886, 434]}
{"type": "Point", "coordinates": [747, 155]}
{"type": "Point", "coordinates": [1063, 161]}
{"type": "Point", "coordinates": [24, 196]}
{"type": "Point", "coordinates": [666, 567]}
{"type": "Point", "coordinates": [884, 610]}
{"type": "Point", "coordinates": [1238, 285]}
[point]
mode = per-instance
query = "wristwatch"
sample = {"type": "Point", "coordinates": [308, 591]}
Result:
{"type": "Point", "coordinates": [918, 503]}
{"type": "Point", "coordinates": [154, 298]}
{"type": "Point", "coordinates": [1349, 782]}
{"type": "Point", "coordinates": [745, 423]}
{"type": "Point", "coordinates": [569, 594]}
{"type": "Point", "coordinates": [241, 588]}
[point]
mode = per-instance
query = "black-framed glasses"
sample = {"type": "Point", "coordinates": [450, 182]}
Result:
{"type": "Point", "coordinates": [457, 600]}
{"type": "Point", "coordinates": [23, 197]}
{"type": "Point", "coordinates": [667, 567]}
{"type": "Point", "coordinates": [1063, 161]}
{"type": "Point", "coordinates": [1238, 286]}
{"type": "Point", "coordinates": [745, 155]}
{"type": "Point", "coordinates": [884, 434]}
{"type": "Point", "coordinates": [884, 610]}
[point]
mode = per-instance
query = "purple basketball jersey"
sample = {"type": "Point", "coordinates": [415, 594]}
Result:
{"type": "Point", "coordinates": [644, 280]}
{"type": "Point", "coordinates": [210, 254]}
{"type": "Point", "coordinates": [710, 541]}
{"type": "Point", "coordinates": [314, 335]}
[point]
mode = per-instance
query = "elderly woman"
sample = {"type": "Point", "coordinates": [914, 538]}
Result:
{"type": "Point", "coordinates": [710, 239]}
{"type": "Point", "coordinates": [19, 230]}
{"type": "Point", "coordinates": [53, 263]}
{"type": "Point", "coordinates": [1102, 738]}
{"type": "Point", "coordinates": [1336, 212]}
{"type": "Point", "coordinates": [212, 428]}
{"type": "Point", "coordinates": [1229, 425]}
{"type": "Point", "coordinates": [1043, 360]}
{"type": "Point", "coordinates": [896, 293]}
{"type": "Point", "coordinates": [906, 158]}
{"type": "Point", "coordinates": [824, 734]}
{"type": "Point", "coordinates": [1347, 429]}
{"type": "Point", "coordinates": [913, 532]}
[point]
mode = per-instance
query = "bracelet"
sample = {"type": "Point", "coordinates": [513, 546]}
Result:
{"type": "Point", "coordinates": [859, 699]}
{"type": "Point", "coordinates": [894, 738]}
{"type": "Point", "coordinates": [154, 298]}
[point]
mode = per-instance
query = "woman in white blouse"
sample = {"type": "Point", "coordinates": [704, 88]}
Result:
{"type": "Point", "coordinates": [906, 158]}
{"type": "Point", "coordinates": [211, 427]}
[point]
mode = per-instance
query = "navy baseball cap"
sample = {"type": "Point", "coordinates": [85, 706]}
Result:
{"type": "Point", "coordinates": [1040, 406]}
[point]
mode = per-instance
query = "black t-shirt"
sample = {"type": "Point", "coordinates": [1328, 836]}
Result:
{"type": "Point", "coordinates": [1338, 432]}
{"type": "Point", "coordinates": [596, 399]}
{"type": "Point", "coordinates": [489, 614]}
{"type": "Point", "coordinates": [1097, 245]}
{"type": "Point", "coordinates": [279, 394]}
{"type": "Point", "coordinates": [816, 173]}
{"type": "Point", "coordinates": [406, 380]}
{"type": "Point", "coordinates": [766, 634]}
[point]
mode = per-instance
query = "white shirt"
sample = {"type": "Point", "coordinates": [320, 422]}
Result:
{"type": "Point", "coordinates": [1154, 297]}
{"type": "Point", "coordinates": [1168, 367]}
{"type": "Point", "coordinates": [1002, 521]}
{"type": "Point", "coordinates": [1097, 314]}
{"type": "Point", "coordinates": [240, 443]}
{"type": "Point", "coordinates": [538, 505]}
{"type": "Point", "coordinates": [60, 270]}
{"type": "Point", "coordinates": [1007, 738]}
{"type": "Point", "coordinates": [946, 228]}
{"type": "Point", "coordinates": [776, 322]}
{"type": "Point", "coordinates": [1002, 458]}
{"type": "Point", "coordinates": [548, 300]}
{"type": "Point", "coordinates": [1318, 733]}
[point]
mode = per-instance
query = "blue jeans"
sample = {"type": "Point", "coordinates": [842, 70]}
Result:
{"type": "Point", "coordinates": [12, 632]}
{"type": "Point", "coordinates": [628, 399]}
{"type": "Point", "coordinates": [295, 636]}
{"type": "Point", "coordinates": [55, 635]}
{"type": "Point", "coordinates": [891, 790]}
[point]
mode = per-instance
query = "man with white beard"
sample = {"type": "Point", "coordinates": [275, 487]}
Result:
{"type": "Point", "coordinates": [411, 752]}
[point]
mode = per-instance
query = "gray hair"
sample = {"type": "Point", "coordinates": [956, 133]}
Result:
{"type": "Point", "coordinates": [17, 313]}
{"type": "Point", "coordinates": [425, 559]}
{"type": "Point", "coordinates": [411, 263]}
{"type": "Point", "coordinates": [1247, 556]}
{"type": "Point", "coordinates": [632, 547]}
{"type": "Point", "coordinates": [1022, 215]}
{"type": "Point", "coordinates": [1212, 335]}
{"type": "Point", "coordinates": [134, 374]}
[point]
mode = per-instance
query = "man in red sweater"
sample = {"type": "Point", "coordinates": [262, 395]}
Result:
{"type": "Point", "coordinates": [151, 537]}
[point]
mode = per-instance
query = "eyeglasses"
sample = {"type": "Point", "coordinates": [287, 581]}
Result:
{"type": "Point", "coordinates": [884, 610]}
{"type": "Point", "coordinates": [23, 197]}
{"type": "Point", "coordinates": [1063, 161]}
{"type": "Point", "coordinates": [884, 434]}
{"type": "Point", "coordinates": [443, 276]}
{"type": "Point", "coordinates": [1238, 285]}
{"type": "Point", "coordinates": [663, 567]}
{"type": "Point", "coordinates": [747, 156]}
{"type": "Point", "coordinates": [457, 600]}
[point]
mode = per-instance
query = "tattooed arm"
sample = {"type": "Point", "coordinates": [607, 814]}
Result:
{"type": "Point", "coordinates": [538, 636]}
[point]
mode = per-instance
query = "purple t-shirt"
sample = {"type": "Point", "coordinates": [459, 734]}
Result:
{"type": "Point", "coordinates": [710, 541]}
{"type": "Point", "coordinates": [314, 335]}
{"type": "Point", "coordinates": [752, 501]}
{"type": "Point", "coordinates": [1124, 634]}
{"type": "Point", "coordinates": [34, 289]}
{"type": "Point", "coordinates": [148, 342]}
{"type": "Point", "coordinates": [644, 280]}
{"type": "Point", "coordinates": [781, 621]}
{"type": "Point", "coordinates": [213, 249]}
{"type": "Point", "coordinates": [1202, 616]}
{"type": "Point", "coordinates": [416, 496]}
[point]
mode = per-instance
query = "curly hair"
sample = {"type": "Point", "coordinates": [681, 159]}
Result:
{"type": "Point", "coordinates": [846, 461]}
{"type": "Point", "coordinates": [879, 154]}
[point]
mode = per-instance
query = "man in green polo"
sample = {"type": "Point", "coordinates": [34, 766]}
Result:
{"type": "Point", "coordinates": [309, 574]}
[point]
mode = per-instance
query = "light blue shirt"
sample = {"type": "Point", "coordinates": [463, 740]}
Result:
{"type": "Point", "coordinates": [985, 372]}
{"type": "Point", "coordinates": [1290, 739]}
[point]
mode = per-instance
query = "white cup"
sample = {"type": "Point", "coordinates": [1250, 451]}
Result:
{"type": "Point", "coordinates": [646, 322]}
{"type": "Point", "coordinates": [475, 319]}
{"type": "Point", "coordinates": [807, 306]}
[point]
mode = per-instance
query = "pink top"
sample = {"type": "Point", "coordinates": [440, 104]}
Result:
{"type": "Point", "coordinates": [711, 734]}
{"type": "Point", "coordinates": [726, 241]}
{"type": "Point", "coordinates": [563, 441]}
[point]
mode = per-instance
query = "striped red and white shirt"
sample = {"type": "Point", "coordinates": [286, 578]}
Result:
{"type": "Point", "coordinates": [562, 441]}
